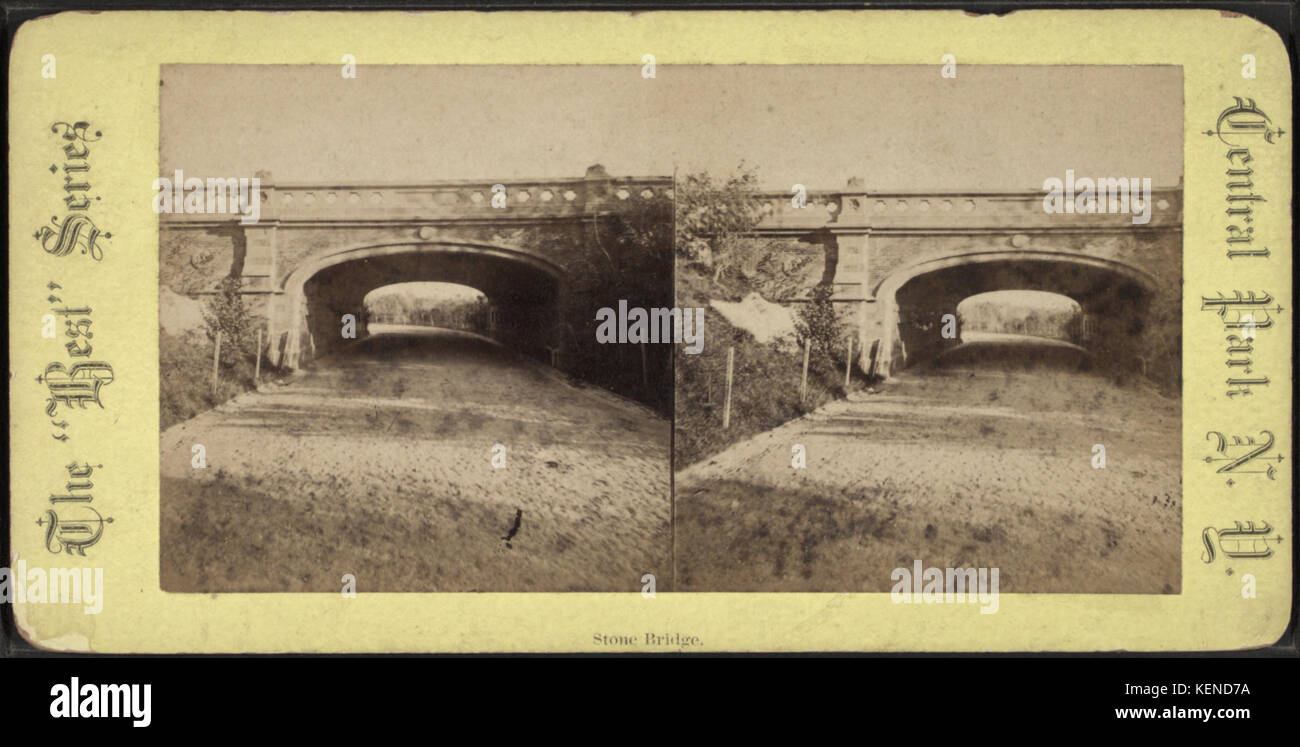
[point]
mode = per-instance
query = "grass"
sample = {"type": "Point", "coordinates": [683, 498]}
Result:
{"type": "Point", "coordinates": [765, 382]}
{"type": "Point", "coordinates": [185, 377]}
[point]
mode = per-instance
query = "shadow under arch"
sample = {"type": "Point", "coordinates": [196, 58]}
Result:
{"type": "Point", "coordinates": [914, 298]}
{"type": "Point", "coordinates": [522, 286]}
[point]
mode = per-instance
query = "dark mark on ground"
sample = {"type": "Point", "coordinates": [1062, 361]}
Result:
{"type": "Point", "coordinates": [519, 515]}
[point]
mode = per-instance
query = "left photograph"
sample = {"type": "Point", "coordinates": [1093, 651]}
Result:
{"type": "Point", "coordinates": [380, 292]}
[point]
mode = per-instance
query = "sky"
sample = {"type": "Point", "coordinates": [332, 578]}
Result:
{"type": "Point", "coordinates": [899, 128]}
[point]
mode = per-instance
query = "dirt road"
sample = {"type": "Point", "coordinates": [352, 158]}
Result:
{"type": "Point", "coordinates": [962, 467]}
{"type": "Point", "coordinates": [379, 464]}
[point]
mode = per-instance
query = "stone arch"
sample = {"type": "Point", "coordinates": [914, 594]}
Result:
{"type": "Point", "coordinates": [1099, 285]}
{"type": "Point", "coordinates": [526, 284]}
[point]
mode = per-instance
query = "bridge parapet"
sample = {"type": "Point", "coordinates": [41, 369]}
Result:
{"type": "Point", "coordinates": [465, 200]}
{"type": "Point", "coordinates": [942, 212]}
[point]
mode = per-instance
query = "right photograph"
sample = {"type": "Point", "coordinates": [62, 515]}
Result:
{"type": "Point", "coordinates": [943, 329]}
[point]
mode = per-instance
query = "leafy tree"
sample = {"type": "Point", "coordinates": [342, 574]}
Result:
{"type": "Point", "coordinates": [714, 219]}
{"type": "Point", "coordinates": [817, 321]}
{"type": "Point", "coordinates": [226, 313]}
{"type": "Point", "coordinates": [632, 262]}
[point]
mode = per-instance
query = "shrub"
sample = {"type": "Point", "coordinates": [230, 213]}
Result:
{"type": "Point", "coordinates": [818, 322]}
{"type": "Point", "coordinates": [185, 360]}
{"type": "Point", "coordinates": [226, 313]}
{"type": "Point", "coordinates": [765, 382]}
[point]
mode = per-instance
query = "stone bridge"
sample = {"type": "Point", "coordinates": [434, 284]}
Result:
{"type": "Point", "coordinates": [531, 246]}
{"type": "Point", "coordinates": [898, 262]}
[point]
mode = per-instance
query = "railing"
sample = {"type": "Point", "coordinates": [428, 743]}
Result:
{"type": "Point", "coordinates": [885, 211]}
{"type": "Point", "coordinates": [531, 198]}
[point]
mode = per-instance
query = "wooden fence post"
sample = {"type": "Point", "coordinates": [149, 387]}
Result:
{"type": "Point", "coordinates": [216, 359]}
{"type": "Point", "coordinates": [726, 407]}
{"type": "Point", "coordinates": [803, 382]}
{"type": "Point", "coordinates": [848, 365]}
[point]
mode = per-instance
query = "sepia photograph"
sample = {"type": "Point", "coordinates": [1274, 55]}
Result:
{"type": "Point", "coordinates": [889, 352]}
{"type": "Point", "coordinates": [944, 317]}
{"type": "Point", "coordinates": [379, 296]}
